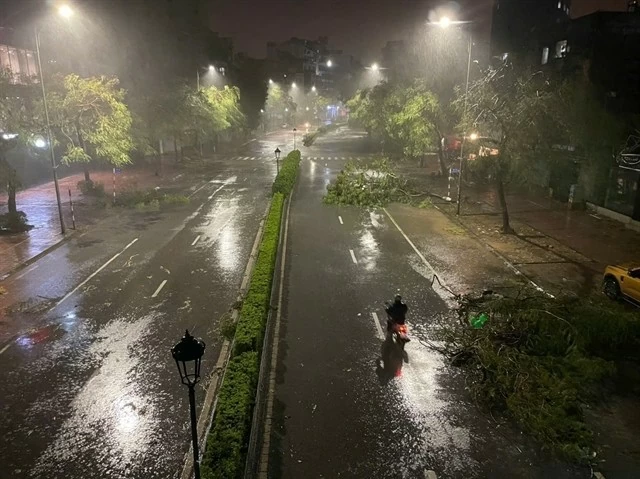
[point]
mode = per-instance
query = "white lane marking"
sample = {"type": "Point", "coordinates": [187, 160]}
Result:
{"type": "Point", "coordinates": [196, 191]}
{"type": "Point", "coordinates": [322, 158]}
{"type": "Point", "coordinates": [443, 291]}
{"type": "Point", "coordinates": [246, 158]}
{"type": "Point", "coordinates": [340, 220]}
{"type": "Point", "coordinates": [28, 270]}
{"type": "Point", "coordinates": [378, 327]}
{"type": "Point", "coordinates": [157, 291]}
{"type": "Point", "coordinates": [353, 256]}
{"type": "Point", "coordinates": [534, 203]}
{"type": "Point", "coordinates": [92, 275]}
{"type": "Point", "coordinates": [214, 193]}
{"type": "Point", "coordinates": [6, 347]}
{"type": "Point", "coordinates": [595, 216]}
{"type": "Point", "coordinates": [196, 240]}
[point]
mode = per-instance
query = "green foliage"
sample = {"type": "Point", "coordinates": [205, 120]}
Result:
{"type": "Point", "coordinates": [285, 180]}
{"type": "Point", "coordinates": [366, 185]}
{"type": "Point", "coordinates": [541, 360]}
{"type": "Point", "coordinates": [91, 188]}
{"type": "Point", "coordinates": [14, 223]}
{"type": "Point", "coordinates": [278, 101]}
{"type": "Point", "coordinates": [226, 445]}
{"type": "Point", "coordinates": [91, 119]}
{"type": "Point", "coordinates": [255, 307]}
{"type": "Point", "coordinates": [310, 138]}
{"type": "Point", "coordinates": [149, 200]}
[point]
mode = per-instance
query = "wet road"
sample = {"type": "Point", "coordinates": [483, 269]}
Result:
{"type": "Point", "coordinates": [89, 389]}
{"type": "Point", "coordinates": [338, 410]}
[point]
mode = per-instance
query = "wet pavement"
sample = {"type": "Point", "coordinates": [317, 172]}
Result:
{"type": "Point", "coordinates": [348, 404]}
{"type": "Point", "coordinates": [89, 389]}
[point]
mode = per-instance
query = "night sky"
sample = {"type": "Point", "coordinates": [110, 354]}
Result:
{"type": "Point", "coordinates": [360, 27]}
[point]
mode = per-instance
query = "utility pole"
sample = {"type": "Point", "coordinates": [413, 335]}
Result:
{"type": "Point", "coordinates": [464, 136]}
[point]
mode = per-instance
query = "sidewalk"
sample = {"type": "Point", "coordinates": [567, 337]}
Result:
{"type": "Point", "coordinates": [559, 249]}
{"type": "Point", "coordinates": [39, 204]}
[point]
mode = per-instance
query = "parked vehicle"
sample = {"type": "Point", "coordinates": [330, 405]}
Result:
{"type": "Point", "coordinates": [622, 281]}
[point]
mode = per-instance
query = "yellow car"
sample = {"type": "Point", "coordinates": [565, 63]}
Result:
{"type": "Point", "coordinates": [622, 281]}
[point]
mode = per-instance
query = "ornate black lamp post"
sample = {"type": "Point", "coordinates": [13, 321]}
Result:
{"type": "Point", "coordinates": [277, 152]}
{"type": "Point", "coordinates": [188, 354]}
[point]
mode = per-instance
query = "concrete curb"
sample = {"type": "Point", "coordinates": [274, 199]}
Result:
{"type": "Point", "coordinates": [41, 254]}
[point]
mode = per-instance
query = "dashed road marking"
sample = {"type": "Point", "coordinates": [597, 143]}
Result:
{"type": "Point", "coordinates": [29, 270]}
{"type": "Point", "coordinates": [5, 348]}
{"type": "Point", "coordinates": [157, 291]}
{"type": "Point", "coordinates": [376, 320]}
{"type": "Point", "coordinates": [196, 240]}
{"type": "Point", "coordinates": [92, 275]}
{"type": "Point", "coordinates": [213, 194]}
{"type": "Point", "coordinates": [340, 220]}
{"type": "Point", "coordinates": [353, 256]}
{"type": "Point", "coordinates": [197, 190]}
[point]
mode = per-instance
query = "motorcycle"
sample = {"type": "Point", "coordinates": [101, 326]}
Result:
{"type": "Point", "coordinates": [398, 332]}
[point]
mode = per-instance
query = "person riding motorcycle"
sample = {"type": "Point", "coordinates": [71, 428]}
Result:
{"type": "Point", "coordinates": [396, 312]}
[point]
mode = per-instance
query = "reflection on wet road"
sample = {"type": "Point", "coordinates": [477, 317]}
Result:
{"type": "Point", "coordinates": [89, 387]}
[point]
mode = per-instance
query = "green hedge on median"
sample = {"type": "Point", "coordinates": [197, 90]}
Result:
{"type": "Point", "coordinates": [255, 306]}
{"type": "Point", "coordinates": [226, 445]}
{"type": "Point", "coordinates": [288, 172]}
{"type": "Point", "coordinates": [226, 450]}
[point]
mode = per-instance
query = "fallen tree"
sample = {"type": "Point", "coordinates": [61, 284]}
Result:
{"type": "Point", "coordinates": [541, 360]}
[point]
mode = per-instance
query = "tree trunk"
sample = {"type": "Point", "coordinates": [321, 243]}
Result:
{"type": "Point", "coordinates": [87, 177]}
{"type": "Point", "coordinates": [506, 226]}
{"type": "Point", "coordinates": [175, 149]}
{"type": "Point", "coordinates": [12, 187]}
{"type": "Point", "coordinates": [422, 161]}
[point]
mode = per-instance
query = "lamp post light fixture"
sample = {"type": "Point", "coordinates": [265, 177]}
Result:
{"type": "Point", "coordinates": [66, 12]}
{"type": "Point", "coordinates": [295, 130]}
{"type": "Point", "coordinates": [277, 153]}
{"type": "Point", "coordinates": [188, 356]}
{"type": "Point", "coordinates": [293, 85]}
{"type": "Point", "coordinates": [473, 136]}
{"type": "Point", "coordinates": [314, 89]}
{"type": "Point", "coordinates": [329, 63]}
{"type": "Point", "coordinates": [445, 22]}
{"type": "Point", "coordinates": [374, 67]}
{"type": "Point", "coordinates": [270, 81]}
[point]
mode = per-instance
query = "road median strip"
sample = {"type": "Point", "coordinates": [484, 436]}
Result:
{"type": "Point", "coordinates": [227, 441]}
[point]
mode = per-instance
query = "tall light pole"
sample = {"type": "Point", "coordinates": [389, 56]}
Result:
{"type": "Point", "coordinates": [64, 11]}
{"type": "Point", "coordinates": [211, 69]}
{"type": "Point", "coordinates": [277, 153]}
{"type": "Point", "coordinates": [445, 22]}
{"type": "Point", "coordinates": [295, 130]}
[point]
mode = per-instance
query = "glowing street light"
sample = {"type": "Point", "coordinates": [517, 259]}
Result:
{"type": "Point", "coordinates": [293, 85]}
{"type": "Point", "coordinates": [329, 63]}
{"type": "Point", "coordinates": [374, 67]}
{"type": "Point", "coordinates": [65, 11]}
{"type": "Point", "coordinates": [313, 88]}
{"type": "Point", "coordinates": [261, 110]}
{"type": "Point", "coordinates": [270, 81]}
{"type": "Point", "coordinates": [444, 22]}
{"type": "Point", "coordinates": [473, 136]}
{"type": "Point", "coordinates": [211, 68]}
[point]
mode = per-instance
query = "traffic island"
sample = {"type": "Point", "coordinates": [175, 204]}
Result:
{"type": "Point", "coordinates": [227, 441]}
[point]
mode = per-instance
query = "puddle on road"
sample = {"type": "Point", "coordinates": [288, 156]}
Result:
{"type": "Point", "coordinates": [113, 413]}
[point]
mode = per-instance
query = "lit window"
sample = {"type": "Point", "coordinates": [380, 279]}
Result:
{"type": "Point", "coordinates": [545, 55]}
{"type": "Point", "coordinates": [561, 49]}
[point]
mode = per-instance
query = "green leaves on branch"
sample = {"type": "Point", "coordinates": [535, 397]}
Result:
{"type": "Point", "coordinates": [91, 119]}
{"type": "Point", "coordinates": [366, 185]}
{"type": "Point", "coordinates": [539, 360]}
{"type": "Point", "coordinates": [404, 117]}
{"type": "Point", "coordinates": [286, 179]}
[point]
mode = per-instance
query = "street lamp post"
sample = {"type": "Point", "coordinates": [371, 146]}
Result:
{"type": "Point", "coordinates": [295, 130]}
{"type": "Point", "coordinates": [446, 22]}
{"type": "Point", "coordinates": [464, 136]}
{"type": "Point", "coordinates": [277, 153]}
{"type": "Point", "coordinates": [188, 355]}
{"type": "Point", "coordinates": [65, 12]}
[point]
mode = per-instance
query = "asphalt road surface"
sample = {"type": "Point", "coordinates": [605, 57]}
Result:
{"type": "Point", "coordinates": [89, 388]}
{"type": "Point", "coordinates": [347, 404]}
